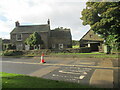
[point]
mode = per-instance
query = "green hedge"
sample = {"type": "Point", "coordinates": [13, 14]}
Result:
{"type": "Point", "coordinates": [37, 52]}
{"type": "Point", "coordinates": [12, 53]}
{"type": "Point", "coordinates": [48, 51]}
{"type": "Point", "coordinates": [77, 50]}
{"type": "Point", "coordinates": [45, 51]}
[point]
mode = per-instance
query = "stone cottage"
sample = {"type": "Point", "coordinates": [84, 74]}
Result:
{"type": "Point", "coordinates": [53, 39]}
{"type": "Point", "coordinates": [92, 40]}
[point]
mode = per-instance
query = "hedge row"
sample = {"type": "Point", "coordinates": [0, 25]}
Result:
{"type": "Point", "coordinates": [12, 53]}
{"type": "Point", "coordinates": [45, 51]}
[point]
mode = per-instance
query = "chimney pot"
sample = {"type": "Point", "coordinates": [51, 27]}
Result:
{"type": "Point", "coordinates": [48, 21]}
{"type": "Point", "coordinates": [17, 24]}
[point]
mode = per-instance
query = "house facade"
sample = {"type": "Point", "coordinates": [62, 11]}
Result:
{"type": "Point", "coordinates": [51, 41]}
{"type": "Point", "coordinates": [92, 40]}
{"type": "Point", "coordinates": [60, 38]}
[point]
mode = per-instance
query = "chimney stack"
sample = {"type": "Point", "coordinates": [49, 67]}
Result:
{"type": "Point", "coordinates": [48, 21]}
{"type": "Point", "coordinates": [17, 24]}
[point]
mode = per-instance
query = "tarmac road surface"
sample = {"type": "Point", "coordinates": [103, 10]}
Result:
{"type": "Point", "coordinates": [84, 71]}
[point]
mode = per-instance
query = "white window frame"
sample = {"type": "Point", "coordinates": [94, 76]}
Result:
{"type": "Point", "coordinates": [61, 47]}
{"type": "Point", "coordinates": [53, 45]}
{"type": "Point", "coordinates": [17, 37]}
{"type": "Point", "coordinates": [20, 46]}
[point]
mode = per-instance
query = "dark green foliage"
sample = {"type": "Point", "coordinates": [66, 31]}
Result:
{"type": "Point", "coordinates": [34, 39]}
{"type": "Point", "coordinates": [60, 28]}
{"type": "Point", "coordinates": [12, 53]}
{"type": "Point", "coordinates": [9, 46]}
{"type": "Point", "coordinates": [104, 19]}
{"type": "Point", "coordinates": [75, 42]}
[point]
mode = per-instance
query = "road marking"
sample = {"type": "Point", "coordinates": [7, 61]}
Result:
{"type": "Point", "coordinates": [67, 72]}
{"type": "Point", "coordinates": [77, 71]}
{"type": "Point", "coordinates": [82, 76]}
{"type": "Point", "coordinates": [91, 63]}
{"type": "Point", "coordinates": [55, 75]}
{"type": "Point", "coordinates": [84, 73]}
{"type": "Point", "coordinates": [83, 66]}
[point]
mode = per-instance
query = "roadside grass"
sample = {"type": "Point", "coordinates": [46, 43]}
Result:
{"type": "Point", "coordinates": [76, 46]}
{"type": "Point", "coordinates": [10, 80]}
{"type": "Point", "coordinates": [72, 55]}
{"type": "Point", "coordinates": [84, 55]}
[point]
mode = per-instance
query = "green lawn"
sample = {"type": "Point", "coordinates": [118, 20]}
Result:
{"type": "Point", "coordinates": [84, 55]}
{"type": "Point", "coordinates": [10, 80]}
{"type": "Point", "coordinates": [77, 46]}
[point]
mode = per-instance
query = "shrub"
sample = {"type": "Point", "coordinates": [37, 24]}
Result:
{"type": "Point", "coordinates": [12, 53]}
{"type": "Point", "coordinates": [9, 47]}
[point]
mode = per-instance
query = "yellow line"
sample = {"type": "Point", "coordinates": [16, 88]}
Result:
{"type": "Point", "coordinates": [65, 65]}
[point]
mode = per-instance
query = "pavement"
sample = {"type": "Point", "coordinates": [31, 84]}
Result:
{"type": "Point", "coordinates": [103, 77]}
{"type": "Point", "coordinates": [90, 71]}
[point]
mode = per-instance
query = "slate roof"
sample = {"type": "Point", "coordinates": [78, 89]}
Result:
{"type": "Point", "coordinates": [31, 28]}
{"type": "Point", "coordinates": [93, 37]}
{"type": "Point", "coordinates": [60, 33]}
{"type": "Point", "coordinates": [6, 41]}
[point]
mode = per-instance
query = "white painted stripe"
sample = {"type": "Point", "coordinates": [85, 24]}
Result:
{"type": "Point", "coordinates": [91, 63]}
{"type": "Point", "coordinates": [68, 72]}
{"type": "Point", "coordinates": [55, 75]}
{"type": "Point", "coordinates": [81, 77]}
{"type": "Point", "coordinates": [84, 73]}
{"type": "Point", "coordinates": [83, 66]}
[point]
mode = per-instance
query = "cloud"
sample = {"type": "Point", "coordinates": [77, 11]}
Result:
{"type": "Point", "coordinates": [61, 13]}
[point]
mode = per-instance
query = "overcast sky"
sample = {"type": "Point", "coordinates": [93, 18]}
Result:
{"type": "Point", "coordinates": [62, 13]}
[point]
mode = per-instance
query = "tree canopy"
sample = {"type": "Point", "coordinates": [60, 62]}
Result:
{"type": "Point", "coordinates": [34, 39]}
{"type": "Point", "coordinates": [104, 19]}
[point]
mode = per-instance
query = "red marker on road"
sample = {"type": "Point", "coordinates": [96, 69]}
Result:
{"type": "Point", "coordinates": [42, 58]}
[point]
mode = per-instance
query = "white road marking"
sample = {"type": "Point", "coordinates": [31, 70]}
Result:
{"type": "Point", "coordinates": [68, 72]}
{"type": "Point", "coordinates": [81, 77]}
{"type": "Point", "coordinates": [77, 71]}
{"type": "Point", "coordinates": [55, 75]}
{"type": "Point", "coordinates": [83, 66]}
{"type": "Point", "coordinates": [87, 63]}
{"type": "Point", "coordinates": [84, 73]}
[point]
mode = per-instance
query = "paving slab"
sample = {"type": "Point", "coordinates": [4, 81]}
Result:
{"type": "Point", "coordinates": [43, 71]}
{"type": "Point", "coordinates": [103, 77]}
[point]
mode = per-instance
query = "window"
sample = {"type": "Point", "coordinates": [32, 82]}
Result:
{"type": "Point", "coordinates": [60, 46]}
{"type": "Point", "coordinates": [90, 36]}
{"type": "Point", "coordinates": [53, 45]}
{"type": "Point", "coordinates": [19, 46]}
{"type": "Point", "coordinates": [19, 37]}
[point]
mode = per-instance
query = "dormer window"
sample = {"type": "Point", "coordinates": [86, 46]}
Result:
{"type": "Point", "coordinates": [19, 37]}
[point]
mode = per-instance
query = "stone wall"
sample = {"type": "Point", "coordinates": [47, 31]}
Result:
{"type": "Point", "coordinates": [48, 51]}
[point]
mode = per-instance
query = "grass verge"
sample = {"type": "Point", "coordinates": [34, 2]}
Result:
{"type": "Point", "coordinates": [84, 55]}
{"type": "Point", "coordinates": [10, 80]}
{"type": "Point", "coordinates": [72, 55]}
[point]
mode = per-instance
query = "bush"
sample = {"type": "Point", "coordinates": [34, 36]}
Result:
{"type": "Point", "coordinates": [37, 52]}
{"type": "Point", "coordinates": [9, 47]}
{"type": "Point", "coordinates": [77, 50]}
{"type": "Point", "coordinates": [12, 53]}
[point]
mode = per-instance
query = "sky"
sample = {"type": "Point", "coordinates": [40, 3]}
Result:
{"type": "Point", "coordinates": [62, 13]}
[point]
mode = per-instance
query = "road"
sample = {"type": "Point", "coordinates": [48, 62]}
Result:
{"type": "Point", "coordinates": [84, 71]}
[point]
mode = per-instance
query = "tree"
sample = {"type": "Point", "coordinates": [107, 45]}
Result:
{"type": "Point", "coordinates": [34, 39]}
{"type": "Point", "coordinates": [75, 43]}
{"type": "Point", "coordinates": [104, 19]}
